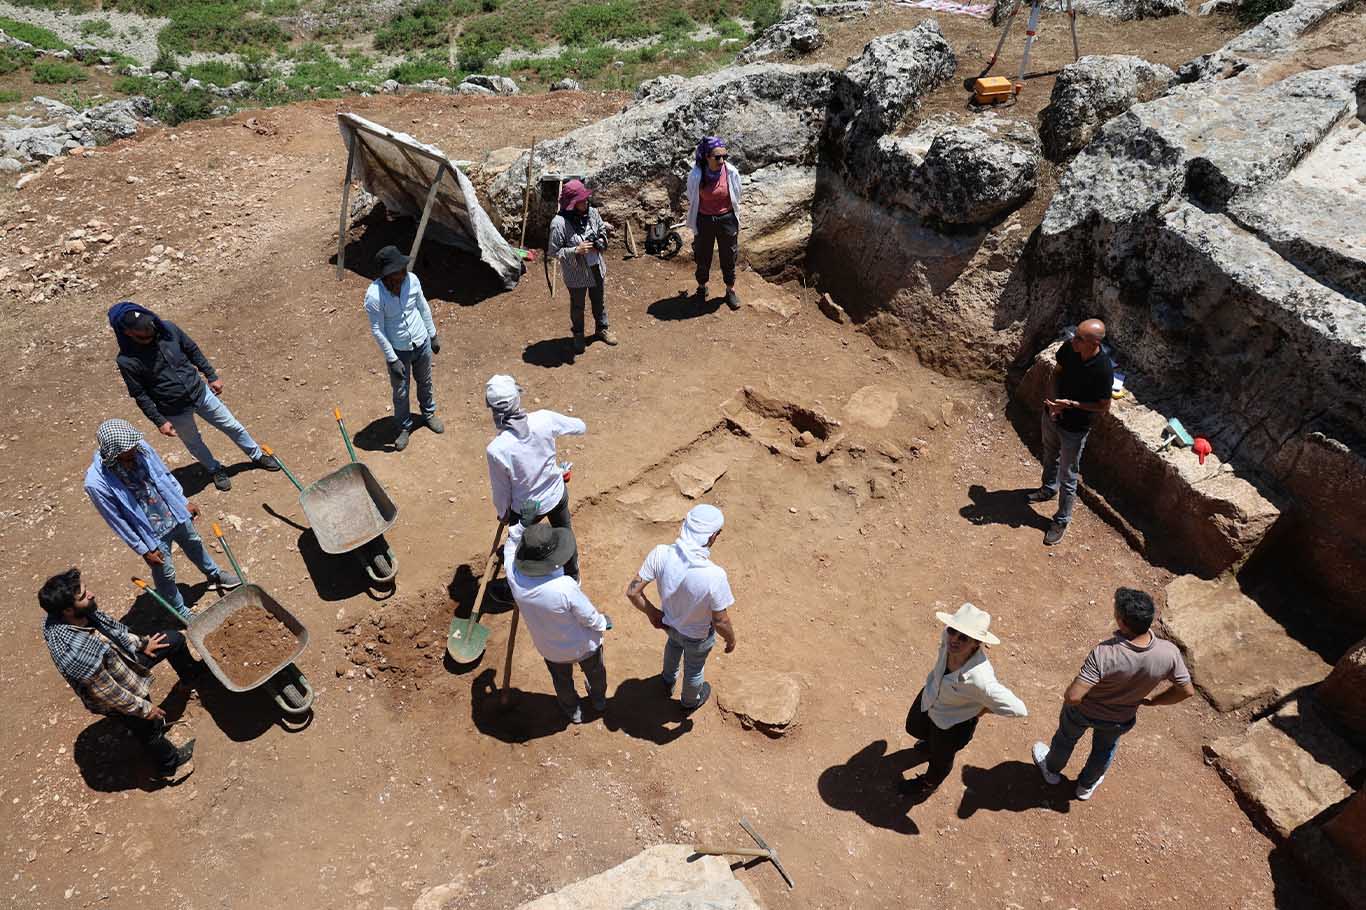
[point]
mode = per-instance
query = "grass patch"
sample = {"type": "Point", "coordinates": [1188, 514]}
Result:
{"type": "Point", "coordinates": [57, 72]}
{"type": "Point", "coordinates": [422, 69]}
{"type": "Point", "coordinates": [318, 74]}
{"type": "Point", "coordinates": [38, 37]}
{"type": "Point", "coordinates": [12, 60]}
{"type": "Point", "coordinates": [426, 24]}
{"type": "Point", "coordinates": [220, 28]}
{"type": "Point", "coordinates": [71, 6]}
{"type": "Point", "coordinates": [171, 103]}
{"type": "Point", "coordinates": [97, 28]}
{"type": "Point", "coordinates": [1251, 12]}
{"type": "Point", "coordinates": [216, 72]}
{"type": "Point", "coordinates": [763, 12]}
{"type": "Point", "coordinates": [9, 96]}
{"type": "Point", "coordinates": [592, 23]}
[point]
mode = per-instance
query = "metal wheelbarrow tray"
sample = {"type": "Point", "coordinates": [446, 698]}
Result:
{"type": "Point", "coordinates": [347, 508]}
{"type": "Point", "coordinates": [291, 690]}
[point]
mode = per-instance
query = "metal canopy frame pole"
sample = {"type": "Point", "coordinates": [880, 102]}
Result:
{"type": "Point", "coordinates": [426, 215]}
{"type": "Point", "coordinates": [342, 218]}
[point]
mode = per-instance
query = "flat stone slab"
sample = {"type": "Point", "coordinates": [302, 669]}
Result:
{"type": "Point", "coordinates": [660, 878]}
{"type": "Point", "coordinates": [760, 701]}
{"type": "Point", "coordinates": [1237, 654]}
{"type": "Point", "coordinates": [696, 476]}
{"type": "Point", "coordinates": [873, 406]}
{"type": "Point", "coordinates": [1332, 853]}
{"type": "Point", "coordinates": [1286, 768]}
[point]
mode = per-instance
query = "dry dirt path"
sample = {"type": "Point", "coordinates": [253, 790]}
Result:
{"type": "Point", "coordinates": [410, 780]}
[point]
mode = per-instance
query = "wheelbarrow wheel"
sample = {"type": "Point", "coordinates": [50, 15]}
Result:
{"type": "Point", "coordinates": [293, 694]}
{"type": "Point", "coordinates": [381, 566]}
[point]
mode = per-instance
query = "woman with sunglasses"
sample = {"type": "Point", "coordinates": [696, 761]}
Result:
{"type": "Point", "coordinates": [961, 688]}
{"type": "Point", "coordinates": [713, 203]}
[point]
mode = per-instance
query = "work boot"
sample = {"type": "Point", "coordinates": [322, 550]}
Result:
{"type": "Point", "coordinates": [700, 295]}
{"type": "Point", "coordinates": [434, 424]}
{"type": "Point", "coordinates": [1042, 494]}
{"type": "Point", "coordinates": [225, 580]}
{"type": "Point", "coordinates": [221, 480]}
{"type": "Point", "coordinates": [579, 344]}
{"type": "Point", "coordinates": [599, 702]}
{"type": "Point", "coordinates": [1054, 534]}
{"type": "Point", "coordinates": [732, 299]}
{"type": "Point", "coordinates": [608, 337]}
{"type": "Point", "coordinates": [177, 774]}
{"type": "Point", "coordinates": [401, 441]}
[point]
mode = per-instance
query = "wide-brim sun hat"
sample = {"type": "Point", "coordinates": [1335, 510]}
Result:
{"type": "Point", "coordinates": [544, 549]}
{"type": "Point", "coordinates": [391, 260]}
{"type": "Point", "coordinates": [972, 622]}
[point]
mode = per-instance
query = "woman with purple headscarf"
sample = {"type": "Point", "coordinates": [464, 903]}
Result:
{"type": "Point", "coordinates": [713, 214]}
{"type": "Point", "coordinates": [577, 239]}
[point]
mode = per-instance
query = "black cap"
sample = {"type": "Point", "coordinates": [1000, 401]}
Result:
{"type": "Point", "coordinates": [139, 321]}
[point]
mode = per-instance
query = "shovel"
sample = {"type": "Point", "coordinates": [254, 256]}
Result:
{"type": "Point", "coordinates": [466, 640]}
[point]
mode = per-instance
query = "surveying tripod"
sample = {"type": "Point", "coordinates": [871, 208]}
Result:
{"type": "Point", "coordinates": [1031, 30]}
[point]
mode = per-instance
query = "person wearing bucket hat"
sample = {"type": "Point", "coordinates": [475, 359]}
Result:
{"type": "Point", "coordinates": [577, 238]}
{"type": "Point", "coordinates": [694, 602]}
{"type": "Point", "coordinates": [144, 505]}
{"type": "Point", "coordinates": [960, 689]}
{"type": "Point", "coordinates": [565, 626]}
{"type": "Point", "coordinates": [524, 465]}
{"type": "Point", "coordinates": [401, 321]}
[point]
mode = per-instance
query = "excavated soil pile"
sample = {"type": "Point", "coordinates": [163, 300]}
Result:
{"type": "Point", "coordinates": [249, 643]}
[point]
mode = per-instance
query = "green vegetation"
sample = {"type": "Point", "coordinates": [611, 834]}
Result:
{"type": "Point", "coordinates": [166, 62]}
{"type": "Point", "coordinates": [763, 12]}
{"type": "Point", "coordinates": [216, 72]}
{"type": "Point", "coordinates": [590, 23]}
{"type": "Point", "coordinates": [38, 37]}
{"type": "Point", "coordinates": [422, 69]}
{"type": "Point", "coordinates": [9, 96]}
{"type": "Point", "coordinates": [220, 27]}
{"type": "Point", "coordinates": [424, 25]}
{"type": "Point", "coordinates": [1250, 12]}
{"type": "Point", "coordinates": [72, 6]}
{"type": "Point", "coordinates": [57, 72]}
{"type": "Point", "coordinates": [171, 103]}
{"type": "Point", "coordinates": [97, 28]}
{"type": "Point", "coordinates": [12, 60]}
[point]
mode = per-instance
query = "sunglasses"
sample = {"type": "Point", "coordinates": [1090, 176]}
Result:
{"type": "Point", "coordinates": [954, 633]}
{"type": "Point", "coordinates": [719, 157]}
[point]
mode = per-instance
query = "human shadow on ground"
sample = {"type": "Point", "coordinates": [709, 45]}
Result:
{"type": "Point", "coordinates": [147, 616]}
{"type": "Point", "coordinates": [111, 760]}
{"type": "Point", "coordinates": [377, 436]}
{"type": "Point", "coordinates": [1011, 786]}
{"type": "Point", "coordinates": [464, 587]}
{"type": "Point", "coordinates": [527, 716]}
{"type": "Point", "coordinates": [641, 709]}
{"type": "Point", "coordinates": [335, 576]}
{"type": "Point", "coordinates": [193, 479]}
{"type": "Point", "coordinates": [683, 306]}
{"type": "Point", "coordinates": [550, 353]}
{"type": "Point", "coordinates": [1002, 507]}
{"type": "Point", "coordinates": [867, 785]}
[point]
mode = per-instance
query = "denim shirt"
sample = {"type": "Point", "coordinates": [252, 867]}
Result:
{"type": "Point", "coordinates": [153, 504]}
{"type": "Point", "coordinates": [399, 322]}
{"type": "Point", "coordinates": [119, 507]}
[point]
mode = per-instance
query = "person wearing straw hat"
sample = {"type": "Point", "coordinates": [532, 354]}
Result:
{"type": "Point", "coordinates": [577, 239]}
{"type": "Point", "coordinates": [524, 464]}
{"type": "Point", "coordinates": [960, 689]}
{"type": "Point", "coordinates": [145, 506]}
{"type": "Point", "coordinates": [694, 602]}
{"type": "Point", "coordinates": [401, 321]}
{"type": "Point", "coordinates": [565, 626]}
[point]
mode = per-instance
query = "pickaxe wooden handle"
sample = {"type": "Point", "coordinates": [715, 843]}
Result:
{"type": "Point", "coordinates": [735, 851]}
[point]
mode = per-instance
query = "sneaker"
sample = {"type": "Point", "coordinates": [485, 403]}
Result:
{"type": "Point", "coordinates": [599, 703]}
{"type": "Point", "coordinates": [608, 337]}
{"type": "Point", "coordinates": [732, 299]}
{"type": "Point", "coordinates": [1054, 533]}
{"type": "Point", "coordinates": [401, 441]}
{"type": "Point", "coordinates": [701, 293]}
{"type": "Point", "coordinates": [579, 345]}
{"type": "Point", "coordinates": [706, 694]}
{"type": "Point", "coordinates": [1040, 752]}
{"type": "Point", "coordinates": [434, 424]}
{"type": "Point", "coordinates": [226, 580]}
{"type": "Point", "coordinates": [667, 685]}
{"type": "Point", "coordinates": [1042, 494]}
{"type": "Point", "coordinates": [1086, 792]}
{"type": "Point", "coordinates": [575, 716]}
{"type": "Point", "coordinates": [221, 480]}
{"type": "Point", "coordinates": [268, 463]}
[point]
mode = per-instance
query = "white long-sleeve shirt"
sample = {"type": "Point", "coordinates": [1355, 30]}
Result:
{"type": "Point", "coordinates": [564, 624]}
{"type": "Point", "coordinates": [951, 698]}
{"type": "Point", "coordinates": [529, 467]}
{"type": "Point", "coordinates": [399, 322]}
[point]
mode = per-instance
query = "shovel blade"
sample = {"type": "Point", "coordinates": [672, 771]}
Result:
{"type": "Point", "coordinates": [466, 640]}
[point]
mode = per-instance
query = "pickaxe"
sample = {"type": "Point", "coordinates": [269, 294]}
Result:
{"type": "Point", "coordinates": [763, 850]}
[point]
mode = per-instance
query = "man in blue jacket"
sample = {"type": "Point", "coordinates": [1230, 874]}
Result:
{"type": "Point", "coordinates": [162, 368]}
{"type": "Point", "coordinates": [145, 506]}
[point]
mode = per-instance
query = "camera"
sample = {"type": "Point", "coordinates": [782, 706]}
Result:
{"type": "Point", "coordinates": [597, 238]}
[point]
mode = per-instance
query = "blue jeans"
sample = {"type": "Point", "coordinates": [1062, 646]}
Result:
{"type": "Point", "coordinates": [417, 364]}
{"type": "Point", "coordinates": [1061, 454]}
{"type": "Point", "coordinates": [693, 652]}
{"type": "Point", "coordinates": [164, 575]}
{"type": "Point", "coordinates": [1105, 734]}
{"type": "Point", "coordinates": [216, 413]}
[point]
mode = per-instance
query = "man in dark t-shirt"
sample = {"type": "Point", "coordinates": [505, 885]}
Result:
{"type": "Point", "coordinates": [1078, 391]}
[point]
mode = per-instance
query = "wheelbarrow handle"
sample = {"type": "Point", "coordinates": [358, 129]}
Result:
{"type": "Point", "coordinates": [148, 589]}
{"type": "Point", "coordinates": [218, 532]}
{"type": "Point", "coordinates": [288, 473]}
{"type": "Point", "coordinates": [346, 437]}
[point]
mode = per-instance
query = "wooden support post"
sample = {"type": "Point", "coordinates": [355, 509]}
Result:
{"type": "Point", "coordinates": [426, 214]}
{"type": "Point", "coordinates": [344, 220]}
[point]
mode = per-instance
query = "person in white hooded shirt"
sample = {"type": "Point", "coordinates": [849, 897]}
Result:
{"type": "Point", "coordinates": [961, 688]}
{"type": "Point", "coordinates": [694, 602]}
{"type": "Point", "coordinates": [523, 461]}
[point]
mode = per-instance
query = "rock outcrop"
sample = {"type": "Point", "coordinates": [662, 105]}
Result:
{"type": "Point", "coordinates": [1274, 36]}
{"type": "Point", "coordinates": [1091, 91]}
{"type": "Point", "coordinates": [64, 128]}
{"type": "Point", "coordinates": [1344, 691]}
{"type": "Point", "coordinates": [1123, 10]}
{"type": "Point", "coordinates": [970, 176]}
{"type": "Point", "coordinates": [796, 33]}
{"type": "Point", "coordinates": [664, 876]}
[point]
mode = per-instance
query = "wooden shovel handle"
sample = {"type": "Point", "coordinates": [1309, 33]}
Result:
{"type": "Point", "coordinates": [732, 851]}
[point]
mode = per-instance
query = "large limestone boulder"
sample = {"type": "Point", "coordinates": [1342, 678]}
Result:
{"type": "Point", "coordinates": [1093, 90]}
{"type": "Point", "coordinates": [796, 33]}
{"type": "Point", "coordinates": [1123, 10]}
{"type": "Point", "coordinates": [1344, 691]}
{"type": "Point", "coordinates": [777, 218]}
{"type": "Point", "coordinates": [1274, 36]}
{"type": "Point", "coordinates": [665, 877]}
{"type": "Point", "coordinates": [971, 177]}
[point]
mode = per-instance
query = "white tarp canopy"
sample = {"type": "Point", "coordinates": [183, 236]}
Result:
{"type": "Point", "coordinates": [418, 180]}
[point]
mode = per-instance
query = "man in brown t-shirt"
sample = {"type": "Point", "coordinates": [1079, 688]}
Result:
{"type": "Point", "coordinates": [1115, 679]}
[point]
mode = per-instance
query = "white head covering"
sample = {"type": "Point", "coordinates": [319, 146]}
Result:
{"type": "Point", "coordinates": [504, 398]}
{"type": "Point", "coordinates": [702, 522]}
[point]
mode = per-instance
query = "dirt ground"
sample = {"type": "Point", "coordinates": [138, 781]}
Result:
{"type": "Point", "coordinates": [409, 778]}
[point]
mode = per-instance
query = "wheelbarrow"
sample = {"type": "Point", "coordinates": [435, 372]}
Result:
{"type": "Point", "coordinates": [285, 682]}
{"type": "Point", "coordinates": [349, 511]}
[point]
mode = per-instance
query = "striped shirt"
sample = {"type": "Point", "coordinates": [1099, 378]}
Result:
{"type": "Point", "coordinates": [97, 662]}
{"type": "Point", "coordinates": [577, 267]}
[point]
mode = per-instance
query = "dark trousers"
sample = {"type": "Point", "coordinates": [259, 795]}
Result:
{"type": "Point", "coordinates": [724, 232]}
{"type": "Point", "coordinates": [152, 733]}
{"type": "Point", "coordinates": [943, 744]}
{"type": "Point", "coordinates": [576, 299]}
{"type": "Point", "coordinates": [558, 518]}
{"type": "Point", "coordinates": [562, 675]}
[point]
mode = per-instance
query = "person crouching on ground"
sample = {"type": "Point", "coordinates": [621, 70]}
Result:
{"type": "Point", "coordinates": [694, 602]}
{"type": "Point", "coordinates": [565, 626]}
{"type": "Point", "coordinates": [960, 689]}
{"type": "Point", "coordinates": [110, 668]}
{"type": "Point", "coordinates": [524, 465]}
{"type": "Point", "coordinates": [401, 322]}
{"type": "Point", "coordinates": [577, 239]}
{"type": "Point", "coordinates": [713, 215]}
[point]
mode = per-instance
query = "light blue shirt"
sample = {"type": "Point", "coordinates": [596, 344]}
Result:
{"type": "Point", "coordinates": [399, 322]}
{"type": "Point", "coordinates": [120, 507]}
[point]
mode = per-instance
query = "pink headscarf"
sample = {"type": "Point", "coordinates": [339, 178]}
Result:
{"type": "Point", "coordinates": [572, 194]}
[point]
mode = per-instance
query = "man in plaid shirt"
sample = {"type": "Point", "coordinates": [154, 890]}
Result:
{"type": "Point", "coordinates": [110, 668]}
